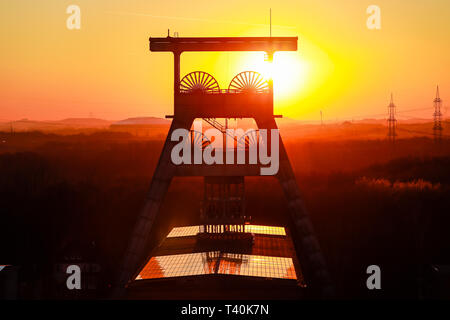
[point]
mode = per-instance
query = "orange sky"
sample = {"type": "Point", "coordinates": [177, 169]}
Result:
{"type": "Point", "coordinates": [105, 69]}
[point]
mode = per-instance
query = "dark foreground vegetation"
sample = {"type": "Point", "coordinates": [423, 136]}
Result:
{"type": "Point", "coordinates": [76, 198]}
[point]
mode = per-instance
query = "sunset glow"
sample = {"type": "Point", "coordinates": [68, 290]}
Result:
{"type": "Point", "coordinates": [225, 159]}
{"type": "Point", "coordinates": [106, 70]}
{"type": "Point", "coordinates": [288, 71]}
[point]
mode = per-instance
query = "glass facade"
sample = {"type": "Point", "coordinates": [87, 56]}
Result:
{"type": "Point", "coordinates": [216, 262]}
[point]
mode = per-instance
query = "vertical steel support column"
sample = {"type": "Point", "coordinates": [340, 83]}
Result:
{"type": "Point", "coordinates": [162, 177]}
{"type": "Point", "coordinates": [176, 72]}
{"type": "Point", "coordinates": [311, 252]}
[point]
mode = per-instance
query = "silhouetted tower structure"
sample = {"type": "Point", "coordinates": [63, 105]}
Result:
{"type": "Point", "coordinates": [392, 121]}
{"type": "Point", "coordinates": [198, 96]}
{"type": "Point", "coordinates": [437, 116]}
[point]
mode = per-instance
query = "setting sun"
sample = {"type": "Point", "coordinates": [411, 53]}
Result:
{"type": "Point", "coordinates": [288, 71]}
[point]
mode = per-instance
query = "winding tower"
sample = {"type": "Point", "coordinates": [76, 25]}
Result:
{"type": "Point", "coordinates": [198, 96]}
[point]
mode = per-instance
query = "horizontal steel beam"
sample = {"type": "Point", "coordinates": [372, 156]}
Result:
{"type": "Point", "coordinates": [266, 44]}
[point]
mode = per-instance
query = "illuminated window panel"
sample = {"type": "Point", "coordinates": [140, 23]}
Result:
{"type": "Point", "coordinates": [179, 265]}
{"type": "Point", "coordinates": [257, 266]}
{"type": "Point", "coordinates": [185, 231]}
{"type": "Point", "coordinates": [275, 231]}
{"type": "Point", "coordinates": [215, 262]}
{"type": "Point", "coordinates": [194, 230]}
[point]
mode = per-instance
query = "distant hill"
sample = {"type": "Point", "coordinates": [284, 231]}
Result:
{"type": "Point", "coordinates": [77, 124]}
{"type": "Point", "coordinates": [154, 127]}
{"type": "Point", "coordinates": [150, 127]}
{"type": "Point", "coordinates": [141, 121]}
{"type": "Point", "coordinates": [54, 125]}
{"type": "Point", "coordinates": [85, 122]}
{"type": "Point", "coordinates": [371, 121]}
{"type": "Point", "coordinates": [416, 120]}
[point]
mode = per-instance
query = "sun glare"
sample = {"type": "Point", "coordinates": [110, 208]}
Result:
{"type": "Point", "coordinates": [288, 71]}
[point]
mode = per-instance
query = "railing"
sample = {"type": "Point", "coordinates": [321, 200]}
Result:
{"type": "Point", "coordinates": [224, 91]}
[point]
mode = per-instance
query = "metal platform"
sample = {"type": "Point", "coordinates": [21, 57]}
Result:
{"type": "Point", "coordinates": [269, 261]}
{"type": "Point", "coordinates": [267, 44]}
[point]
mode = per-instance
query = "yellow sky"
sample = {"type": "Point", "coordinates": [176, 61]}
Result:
{"type": "Point", "coordinates": [342, 68]}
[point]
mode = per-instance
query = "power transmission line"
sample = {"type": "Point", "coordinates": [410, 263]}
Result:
{"type": "Point", "coordinates": [392, 121]}
{"type": "Point", "coordinates": [437, 115]}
